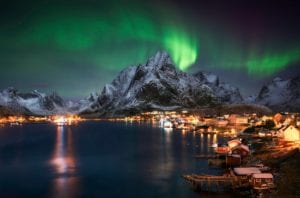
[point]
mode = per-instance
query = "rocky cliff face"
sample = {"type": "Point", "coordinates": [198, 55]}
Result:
{"type": "Point", "coordinates": [158, 85]}
{"type": "Point", "coordinates": [281, 95]}
{"type": "Point", "coordinates": [225, 92]}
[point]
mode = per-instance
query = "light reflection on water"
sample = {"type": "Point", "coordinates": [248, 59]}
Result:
{"type": "Point", "coordinates": [63, 162]}
{"type": "Point", "coordinates": [102, 159]}
{"type": "Point", "coordinates": [202, 143]}
{"type": "Point", "coordinates": [163, 172]}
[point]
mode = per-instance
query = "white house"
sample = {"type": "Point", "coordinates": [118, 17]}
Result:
{"type": "Point", "coordinates": [291, 133]}
{"type": "Point", "coordinates": [237, 119]}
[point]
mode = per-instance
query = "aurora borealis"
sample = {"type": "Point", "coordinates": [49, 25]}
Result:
{"type": "Point", "coordinates": [75, 47]}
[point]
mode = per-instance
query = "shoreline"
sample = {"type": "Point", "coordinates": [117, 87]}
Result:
{"type": "Point", "coordinates": [285, 163]}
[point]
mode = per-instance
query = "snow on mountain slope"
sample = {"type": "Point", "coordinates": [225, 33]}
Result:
{"type": "Point", "coordinates": [281, 95]}
{"type": "Point", "coordinates": [225, 92]}
{"type": "Point", "coordinates": [250, 99]}
{"type": "Point", "coordinates": [33, 103]}
{"type": "Point", "coordinates": [158, 85]}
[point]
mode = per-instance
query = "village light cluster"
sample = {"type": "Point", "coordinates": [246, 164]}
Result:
{"type": "Point", "coordinates": [231, 125]}
{"type": "Point", "coordinates": [285, 124]}
{"type": "Point", "coordinates": [65, 120]}
{"type": "Point", "coordinates": [57, 119]}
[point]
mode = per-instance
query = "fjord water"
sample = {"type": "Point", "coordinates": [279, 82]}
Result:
{"type": "Point", "coordinates": [100, 159]}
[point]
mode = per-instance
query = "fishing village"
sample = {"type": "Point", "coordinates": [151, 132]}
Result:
{"type": "Point", "coordinates": [260, 157]}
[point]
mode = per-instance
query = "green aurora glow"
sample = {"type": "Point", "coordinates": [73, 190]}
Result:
{"type": "Point", "coordinates": [271, 63]}
{"type": "Point", "coordinates": [257, 65]}
{"type": "Point", "coordinates": [71, 32]}
{"type": "Point", "coordinates": [93, 43]}
{"type": "Point", "coordinates": [131, 36]}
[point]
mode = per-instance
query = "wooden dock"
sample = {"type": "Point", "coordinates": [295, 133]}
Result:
{"type": "Point", "coordinates": [226, 182]}
{"type": "Point", "coordinates": [206, 156]}
{"type": "Point", "coordinates": [212, 183]}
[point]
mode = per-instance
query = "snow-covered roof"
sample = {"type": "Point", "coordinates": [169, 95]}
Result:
{"type": "Point", "coordinates": [235, 155]}
{"type": "Point", "coordinates": [235, 140]}
{"type": "Point", "coordinates": [258, 165]}
{"type": "Point", "coordinates": [262, 175]}
{"type": "Point", "coordinates": [246, 170]}
{"type": "Point", "coordinates": [233, 143]}
{"type": "Point", "coordinates": [245, 147]}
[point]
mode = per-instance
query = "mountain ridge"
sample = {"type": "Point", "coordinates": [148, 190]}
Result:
{"type": "Point", "coordinates": [155, 85]}
{"type": "Point", "coordinates": [281, 94]}
{"type": "Point", "coordinates": [33, 103]}
{"type": "Point", "coordinates": [158, 85]}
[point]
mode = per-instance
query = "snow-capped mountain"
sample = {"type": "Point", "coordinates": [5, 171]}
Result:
{"type": "Point", "coordinates": [89, 104]}
{"type": "Point", "coordinates": [158, 85]}
{"type": "Point", "coordinates": [250, 99]}
{"type": "Point", "coordinates": [33, 103]}
{"type": "Point", "coordinates": [281, 95]}
{"type": "Point", "coordinates": [225, 92]}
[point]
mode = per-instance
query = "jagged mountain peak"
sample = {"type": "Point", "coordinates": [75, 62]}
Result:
{"type": "Point", "coordinates": [281, 94]}
{"type": "Point", "coordinates": [155, 85]}
{"type": "Point", "coordinates": [159, 59]}
{"type": "Point", "coordinates": [207, 77]}
{"type": "Point", "coordinates": [159, 85]}
{"type": "Point", "coordinates": [10, 91]}
{"type": "Point", "coordinates": [31, 103]}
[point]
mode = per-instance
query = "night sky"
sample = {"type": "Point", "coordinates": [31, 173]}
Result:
{"type": "Point", "coordinates": [75, 47]}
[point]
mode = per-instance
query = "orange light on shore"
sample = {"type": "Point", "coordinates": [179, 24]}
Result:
{"type": "Point", "coordinates": [16, 119]}
{"type": "Point", "coordinates": [291, 134]}
{"type": "Point", "coordinates": [37, 119]}
{"type": "Point", "coordinates": [65, 120]}
{"type": "Point", "coordinates": [3, 120]}
{"type": "Point", "coordinates": [292, 137]}
{"type": "Point", "coordinates": [59, 120]}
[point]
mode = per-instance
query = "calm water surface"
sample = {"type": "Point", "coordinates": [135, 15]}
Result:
{"type": "Point", "coordinates": [100, 159]}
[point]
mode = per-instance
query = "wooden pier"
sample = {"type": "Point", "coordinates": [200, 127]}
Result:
{"type": "Point", "coordinates": [212, 183]}
{"type": "Point", "coordinates": [206, 156]}
{"type": "Point", "coordinates": [229, 181]}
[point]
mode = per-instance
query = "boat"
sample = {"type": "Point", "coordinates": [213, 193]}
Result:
{"type": "Point", "coordinates": [222, 149]}
{"type": "Point", "coordinates": [15, 124]}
